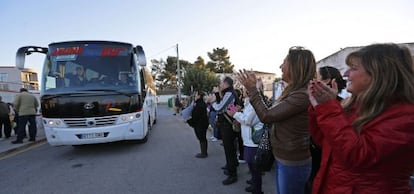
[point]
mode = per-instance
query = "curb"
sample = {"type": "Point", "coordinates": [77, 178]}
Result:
{"type": "Point", "coordinates": [22, 147]}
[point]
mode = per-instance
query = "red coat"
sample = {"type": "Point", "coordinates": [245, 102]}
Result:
{"type": "Point", "coordinates": [378, 160]}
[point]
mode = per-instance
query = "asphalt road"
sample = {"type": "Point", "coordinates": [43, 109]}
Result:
{"type": "Point", "coordinates": [165, 164]}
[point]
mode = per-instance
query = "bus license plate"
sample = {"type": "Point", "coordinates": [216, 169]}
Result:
{"type": "Point", "coordinates": [92, 135]}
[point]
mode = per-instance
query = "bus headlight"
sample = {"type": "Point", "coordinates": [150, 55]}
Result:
{"type": "Point", "coordinates": [53, 123]}
{"type": "Point", "coordinates": [129, 117]}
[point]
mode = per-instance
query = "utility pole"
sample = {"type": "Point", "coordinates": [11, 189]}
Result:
{"type": "Point", "coordinates": [178, 76]}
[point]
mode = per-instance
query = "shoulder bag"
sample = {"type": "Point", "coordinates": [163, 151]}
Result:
{"type": "Point", "coordinates": [264, 159]}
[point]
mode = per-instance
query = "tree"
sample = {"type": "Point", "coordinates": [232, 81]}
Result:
{"type": "Point", "coordinates": [220, 61]}
{"type": "Point", "coordinates": [201, 79]}
{"type": "Point", "coordinates": [171, 65]}
{"type": "Point", "coordinates": [157, 70]}
{"type": "Point", "coordinates": [166, 72]}
{"type": "Point", "coordinates": [199, 63]}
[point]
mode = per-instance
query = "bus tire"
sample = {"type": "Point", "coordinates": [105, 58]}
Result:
{"type": "Point", "coordinates": [145, 140]}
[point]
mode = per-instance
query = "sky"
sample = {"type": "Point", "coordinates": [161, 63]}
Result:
{"type": "Point", "coordinates": [257, 33]}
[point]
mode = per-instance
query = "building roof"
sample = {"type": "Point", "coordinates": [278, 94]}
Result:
{"type": "Point", "coordinates": [410, 44]}
{"type": "Point", "coordinates": [23, 70]}
{"type": "Point", "coordinates": [337, 59]}
{"type": "Point", "coordinates": [261, 72]}
{"type": "Point", "coordinates": [341, 50]}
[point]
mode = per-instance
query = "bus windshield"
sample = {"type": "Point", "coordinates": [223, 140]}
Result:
{"type": "Point", "coordinates": [76, 68]}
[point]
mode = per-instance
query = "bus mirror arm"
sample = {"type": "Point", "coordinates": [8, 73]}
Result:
{"type": "Point", "coordinates": [27, 50]}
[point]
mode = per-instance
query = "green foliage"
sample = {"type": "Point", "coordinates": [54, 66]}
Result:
{"type": "Point", "coordinates": [201, 79]}
{"type": "Point", "coordinates": [199, 63]}
{"type": "Point", "coordinates": [160, 76]}
{"type": "Point", "coordinates": [200, 75]}
{"type": "Point", "coordinates": [220, 61]}
{"type": "Point", "coordinates": [166, 72]}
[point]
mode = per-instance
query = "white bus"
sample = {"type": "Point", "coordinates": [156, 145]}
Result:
{"type": "Point", "coordinates": [94, 92]}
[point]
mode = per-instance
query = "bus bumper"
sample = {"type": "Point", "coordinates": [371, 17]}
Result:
{"type": "Point", "coordinates": [134, 130]}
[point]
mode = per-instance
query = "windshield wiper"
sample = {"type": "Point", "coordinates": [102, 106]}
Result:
{"type": "Point", "coordinates": [50, 96]}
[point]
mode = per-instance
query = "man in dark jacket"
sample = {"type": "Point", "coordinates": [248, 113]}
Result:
{"type": "Point", "coordinates": [78, 77]}
{"type": "Point", "coordinates": [221, 103]}
{"type": "Point", "coordinates": [4, 119]}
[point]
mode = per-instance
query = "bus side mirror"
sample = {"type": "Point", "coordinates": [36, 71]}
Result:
{"type": "Point", "coordinates": [142, 61]}
{"type": "Point", "coordinates": [27, 50]}
{"type": "Point", "coordinates": [20, 57]}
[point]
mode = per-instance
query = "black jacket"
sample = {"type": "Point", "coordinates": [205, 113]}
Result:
{"type": "Point", "coordinates": [199, 118]}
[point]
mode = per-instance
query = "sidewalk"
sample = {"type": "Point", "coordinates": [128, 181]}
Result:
{"type": "Point", "coordinates": [6, 147]}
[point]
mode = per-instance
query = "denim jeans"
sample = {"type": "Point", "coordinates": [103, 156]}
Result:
{"type": "Point", "coordinates": [212, 121]}
{"type": "Point", "coordinates": [291, 179]}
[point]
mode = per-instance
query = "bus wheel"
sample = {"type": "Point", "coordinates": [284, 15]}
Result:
{"type": "Point", "coordinates": [145, 139]}
{"type": "Point", "coordinates": [138, 141]}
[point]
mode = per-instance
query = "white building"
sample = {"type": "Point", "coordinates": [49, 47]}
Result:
{"type": "Point", "coordinates": [12, 79]}
{"type": "Point", "coordinates": [338, 59]}
{"type": "Point", "coordinates": [267, 78]}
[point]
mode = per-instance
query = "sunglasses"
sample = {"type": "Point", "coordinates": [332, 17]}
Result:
{"type": "Point", "coordinates": [297, 48]}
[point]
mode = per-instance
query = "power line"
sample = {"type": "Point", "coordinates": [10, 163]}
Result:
{"type": "Point", "coordinates": [162, 51]}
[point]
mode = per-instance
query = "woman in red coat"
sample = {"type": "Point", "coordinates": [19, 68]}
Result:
{"type": "Point", "coordinates": [368, 142]}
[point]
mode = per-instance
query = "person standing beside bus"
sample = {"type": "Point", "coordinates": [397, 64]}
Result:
{"type": "Point", "coordinates": [26, 106]}
{"type": "Point", "coordinates": [199, 121]}
{"type": "Point", "coordinates": [178, 105]}
{"type": "Point", "coordinates": [4, 119]}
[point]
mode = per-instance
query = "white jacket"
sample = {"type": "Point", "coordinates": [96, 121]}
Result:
{"type": "Point", "coordinates": [247, 119]}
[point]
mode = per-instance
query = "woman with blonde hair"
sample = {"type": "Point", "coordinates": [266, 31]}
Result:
{"type": "Point", "coordinates": [290, 133]}
{"type": "Point", "coordinates": [368, 143]}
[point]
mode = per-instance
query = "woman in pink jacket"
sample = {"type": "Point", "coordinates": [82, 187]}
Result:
{"type": "Point", "coordinates": [368, 142]}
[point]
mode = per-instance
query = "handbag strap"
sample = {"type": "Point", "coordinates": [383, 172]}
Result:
{"type": "Point", "coordinates": [227, 118]}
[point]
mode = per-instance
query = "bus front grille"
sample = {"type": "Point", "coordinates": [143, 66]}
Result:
{"type": "Point", "coordinates": [90, 122]}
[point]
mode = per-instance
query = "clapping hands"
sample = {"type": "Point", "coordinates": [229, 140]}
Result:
{"type": "Point", "coordinates": [319, 92]}
{"type": "Point", "coordinates": [212, 97]}
{"type": "Point", "coordinates": [247, 79]}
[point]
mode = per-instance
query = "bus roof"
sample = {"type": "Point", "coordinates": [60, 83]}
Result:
{"type": "Point", "coordinates": [90, 42]}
